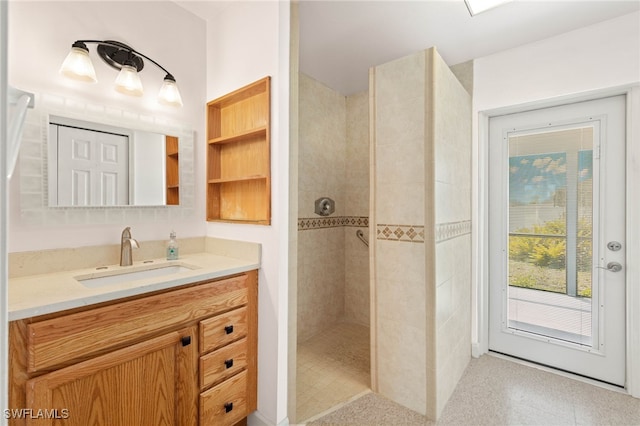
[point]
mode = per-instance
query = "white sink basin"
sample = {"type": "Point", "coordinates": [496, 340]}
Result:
{"type": "Point", "coordinates": [122, 276]}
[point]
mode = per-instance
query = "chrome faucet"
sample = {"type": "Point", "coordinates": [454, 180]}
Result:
{"type": "Point", "coordinates": [126, 244]}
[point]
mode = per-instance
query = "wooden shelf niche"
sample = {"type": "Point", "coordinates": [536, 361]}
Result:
{"type": "Point", "coordinates": [172, 170]}
{"type": "Point", "coordinates": [238, 156]}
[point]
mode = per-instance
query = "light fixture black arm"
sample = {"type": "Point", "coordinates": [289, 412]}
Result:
{"type": "Point", "coordinates": [82, 44]}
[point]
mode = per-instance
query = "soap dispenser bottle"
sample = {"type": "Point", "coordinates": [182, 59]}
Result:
{"type": "Point", "coordinates": [172, 247]}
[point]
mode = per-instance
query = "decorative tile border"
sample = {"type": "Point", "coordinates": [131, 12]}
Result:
{"type": "Point", "coordinates": [306, 223]}
{"type": "Point", "coordinates": [450, 230]}
{"type": "Point", "coordinates": [415, 233]}
{"type": "Point", "coordinates": [406, 233]}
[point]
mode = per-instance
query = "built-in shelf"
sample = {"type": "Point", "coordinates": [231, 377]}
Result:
{"type": "Point", "coordinates": [238, 155]}
{"type": "Point", "coordinates": [172, 170]}
{"type": "Point", "coordinates": [260, 132]}
{"type": "Point", "coordinates": [238, 179]}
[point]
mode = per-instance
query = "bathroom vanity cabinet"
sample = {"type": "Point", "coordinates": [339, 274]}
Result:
{"type": "Point", "coordinates": [238, 155]}
{"type": "Point", "coordinates": [183, 356]}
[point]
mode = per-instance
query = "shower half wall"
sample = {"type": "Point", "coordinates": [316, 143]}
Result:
{"type": "Point", "coordinates": [333, 264]}
{"type": "Point", "coordinates": [421, 257]}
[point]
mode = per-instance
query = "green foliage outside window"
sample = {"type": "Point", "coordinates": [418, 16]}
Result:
{"type": "Point", "coordinates": [550, 250]}
{"type": "Point", "coordinates": [548, 253]}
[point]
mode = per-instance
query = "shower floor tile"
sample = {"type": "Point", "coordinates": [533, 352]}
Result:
{"type": "Point", "coordinates": [333, 366]}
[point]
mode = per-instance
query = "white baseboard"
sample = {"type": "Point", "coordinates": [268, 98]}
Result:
{"type": "Point", "coordinates": [476, 351]}
{"type": "Point", "coordinates": [257, 419]}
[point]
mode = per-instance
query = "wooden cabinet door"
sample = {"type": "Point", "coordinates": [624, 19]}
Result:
{"type": "Point", "coordinates": [150, 383]}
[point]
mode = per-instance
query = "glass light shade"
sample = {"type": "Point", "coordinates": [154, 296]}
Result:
{"type": "Point", "coordinates": [77, 65]}
{"type": "Point", "coordinates": [128, 81]}
{"type": "Point", "coordinates": [169, 93]}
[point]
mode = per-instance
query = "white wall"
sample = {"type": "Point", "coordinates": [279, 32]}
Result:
{"type": "Point", "coordinates": [40, 36]}
{"type": "Point", "coordinates": [149, 165]}
{"type": "Point", "coordinates": [600, 56]}
{"type": "Point", "coordinates": [246, 42]}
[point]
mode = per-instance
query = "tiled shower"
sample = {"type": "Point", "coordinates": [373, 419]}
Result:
{"type": "Point", "coordinates": [333, 263]}
{"type": "Point", "coordinates": [415, 310]}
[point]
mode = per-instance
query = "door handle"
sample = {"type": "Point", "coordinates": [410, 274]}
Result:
{"type": "Point", "coordinates": [612, 266]}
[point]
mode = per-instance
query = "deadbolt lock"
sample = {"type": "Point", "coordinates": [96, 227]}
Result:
{"type": "Point", "coordinates": [614, 246]}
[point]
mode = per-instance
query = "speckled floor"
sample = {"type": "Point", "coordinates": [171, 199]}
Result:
{"type": "Point", "coordinates": [496, 391]}
{"type": "Point", "coordinates": [333, 367]}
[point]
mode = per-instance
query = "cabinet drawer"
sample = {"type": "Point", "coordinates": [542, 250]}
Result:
{"type": "Point", "coordinates": [223, 363]}
{"type": "Point", "coordinates": [73, 337]}
{"type": "Point", "coordinates": [222, 329]}
{"type": "Point", "coordinates": [226, 403]}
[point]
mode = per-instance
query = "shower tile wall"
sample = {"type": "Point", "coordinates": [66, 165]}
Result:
{"type": "Point", "coordinates": [399, 122]}
{"type": "Point", "coordinates": [422, 139]}
{"type": "Point", "coordinates": [356, 183]}
{"type": "Point", "coordinates": [322, 148]}
{"type": "Point", "coordinates": [333, 274]}
{"type": "Point", "coordinates": [452, 143]}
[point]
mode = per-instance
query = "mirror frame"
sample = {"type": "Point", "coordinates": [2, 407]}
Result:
{"type": "Point", "coordinates": [34, 196]}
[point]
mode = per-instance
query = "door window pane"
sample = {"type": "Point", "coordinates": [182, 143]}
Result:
{"type": "Point", "coordinates": [584, 249]}
{"type": "Point", "coordinates": [537, 221]}
{"type": "Point", "coordinates": [550, 227]}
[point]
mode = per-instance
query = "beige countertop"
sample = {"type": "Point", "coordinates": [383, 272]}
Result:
{"type": "Point", "coordinates": [41, 294]}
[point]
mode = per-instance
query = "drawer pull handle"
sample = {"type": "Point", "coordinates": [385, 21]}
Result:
{"type": "Point", "coordinates": [228, 407]}
{"type": "Point", "coordinates": [186, 340]}
{"type": "Point", "coordinates": [228, 363]}
{"type": "Point", "coordinates": [228, 329]}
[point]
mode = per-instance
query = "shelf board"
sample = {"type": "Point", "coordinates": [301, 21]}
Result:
{"type": "Point", "coordinates": [237, 179]}
{"type": "Point", "coordinates": [259, 131]}
{"type": "Point", "coordinates": [246, 222]}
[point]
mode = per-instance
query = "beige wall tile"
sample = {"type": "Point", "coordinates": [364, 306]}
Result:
{"type": "Point", "coordinates": [400, 260]}
{"type": "Point", "coordinates": [356, 278]}
{"type": "Point", "coordinates": [320, 280]}
{"type": "Point", "coordinates": [399, 80]}
{"type": "Point", "coordinates": [401, 357]}
{"type": "Point", "coordinates": [400, 164]}
{"type": "Point", "coordinates": [398, 122]}
{"type": "Point", "coordinates": [452, 130]}
{"type": "Point", "coordinates": [333, 162]}
{"type": "Point", "coordinates": [400, 204]}
{"type": "Point", "coordinates": [356, 179]}
{"type": "Point", "coordinates": [322, 144]}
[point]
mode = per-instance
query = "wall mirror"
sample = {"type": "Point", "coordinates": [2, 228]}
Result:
{"type": "Point", "coordinates": [91, 159]}
{"type": "Point", "coordinates": [92, 165]}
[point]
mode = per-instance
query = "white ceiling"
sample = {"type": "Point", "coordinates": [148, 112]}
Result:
{"type": "Point", "coordinates": [341, 40]}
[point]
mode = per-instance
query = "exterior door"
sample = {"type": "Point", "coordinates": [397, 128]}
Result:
{"type": "Point", "coordinates": [557, 237]}
{"type": "Point", "coordinates": [93, 168]}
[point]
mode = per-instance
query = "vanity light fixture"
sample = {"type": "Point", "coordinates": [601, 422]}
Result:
{"type": "Point", "coordinates": [125, 59]}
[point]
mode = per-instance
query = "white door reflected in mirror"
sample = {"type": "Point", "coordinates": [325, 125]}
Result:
{"type": "Point", "coordinates": [93, 165]}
